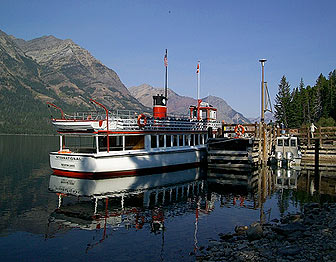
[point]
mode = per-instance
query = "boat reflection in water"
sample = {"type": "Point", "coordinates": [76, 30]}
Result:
{"type": "Point", "coordinates": [128, 202]}
{"type": "Point", "coordinates": [287, 178]}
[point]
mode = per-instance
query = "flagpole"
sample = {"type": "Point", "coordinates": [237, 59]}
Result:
{"type": "Point", "coordinates": [166, 79]}
{"type": "Point", "coordinates": [198, 90]}
{"type": "Point", "coordinates": [198, 81]}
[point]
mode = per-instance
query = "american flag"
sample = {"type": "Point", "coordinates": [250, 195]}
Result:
{"type": "Point", "coordinates": [165, 60]}
{"type": "Point", "coordinates": [197, 71]}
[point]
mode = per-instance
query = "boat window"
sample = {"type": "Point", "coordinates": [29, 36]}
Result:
{"type": "Point", "coordinates": [286, 142]}
{"type": "Point", "coordinates": [204, 114]}
{"type": "Point", "coordinates": [205, 138]}
{"type": "Point", "coordinates": [80, 144]}
{"type": "Point", "coordinates": [192, 139]}
{"type": "Point", "coordinates": [168, 141]}
{"type": "Point", "coordinates": [174, 140]}
{"type": "Point", "coordinates": [116, 143]}
{"type": "Point", "coordinates": [293, 143]}
{"type": "Point", "coordinates": [180, 140]}
{"type": "Point", "coordinates": [153, 141]}
{"type": "Point", "coordinates": [196, 139]}
{"type": "Point", "coordinates": [194, 113]}
{"type": "Point", "coordinates": [134, 142]}
{"type": "Point", "coordinates": [161, 140]}
{"type": "Point", "coordinates": [186, 140]}
{"type": "Point", "coordinates": [280, 142]}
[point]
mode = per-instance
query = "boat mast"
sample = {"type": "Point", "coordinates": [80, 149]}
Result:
{"type": "Point", "coordinates": [198, 80]}
{"type": "Point", "coordinates": [166, 78]}
{"type": "Point", "coordinates": [198, 90]}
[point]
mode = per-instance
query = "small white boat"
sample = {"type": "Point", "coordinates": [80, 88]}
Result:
{"type": "Point", "coordinates": [286, 151]}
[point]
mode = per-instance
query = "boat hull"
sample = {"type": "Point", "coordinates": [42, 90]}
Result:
{"type": "Point", "coordinates": [99, 166]}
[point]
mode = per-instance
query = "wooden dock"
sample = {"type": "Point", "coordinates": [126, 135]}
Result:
{"type": "Point", "coordinates": [254, 147]}
{"type": "Point", "coordinates": [232, 153]}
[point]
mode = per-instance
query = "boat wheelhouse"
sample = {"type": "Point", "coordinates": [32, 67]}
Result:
{"type": "Point", "coordinates": [94, 145]}
{"type": "Point", "coordinates": [286, 151]}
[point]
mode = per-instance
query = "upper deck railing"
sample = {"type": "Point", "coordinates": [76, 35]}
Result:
{"type": "Point", "coordinates": [98, 115]}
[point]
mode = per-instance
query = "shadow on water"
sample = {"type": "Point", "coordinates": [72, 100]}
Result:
{"type": "Point", "coordinates": [171, 216]}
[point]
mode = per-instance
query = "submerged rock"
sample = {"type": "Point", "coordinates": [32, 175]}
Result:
{"type": "Point", "coordinates": [254, 232]}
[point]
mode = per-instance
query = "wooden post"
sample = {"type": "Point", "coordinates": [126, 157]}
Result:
{"type": "Point", "coordinates": [308, 137]}
{"type": "Point", "coordinates": [264, 143]}
{"type": "Point", "coordinates": [320, 135]}
{"type": "Point", "coordinates": [317, 171]}
{"type": "Point", "coordinates": [259, 144]}
{"type": "Point", "coordinates": [270, 140]}
{"type": "Point", "coordinates": [255, 129]}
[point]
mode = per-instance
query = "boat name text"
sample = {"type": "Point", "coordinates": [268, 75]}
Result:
{"type": "Point", "coordinates": [72, 158]}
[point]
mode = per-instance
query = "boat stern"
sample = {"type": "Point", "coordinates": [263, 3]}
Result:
{"type": "Point", "coordinates": [72, 163]}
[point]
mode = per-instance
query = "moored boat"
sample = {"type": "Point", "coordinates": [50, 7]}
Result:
{"type": "Point", "coordinates": [95, 145]}
{"type": "Point", "coordinates": [286, 151]}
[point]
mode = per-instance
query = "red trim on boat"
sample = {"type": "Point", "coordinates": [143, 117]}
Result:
{"type": "Point", "coordinates": [135, 172]}
{"type": "Point", "coordinates": [136, 132]}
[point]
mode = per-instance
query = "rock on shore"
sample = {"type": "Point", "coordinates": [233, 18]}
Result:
{"type": "Point", "coordinates": [310, 236]}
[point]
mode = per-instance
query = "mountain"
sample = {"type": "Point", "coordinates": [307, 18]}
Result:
{"type": "Point", "coordinates": [178, 104]}
{"type": "Point", "coordinates": [268, 117]}
{"type": "Point", "coordinates": [50, 69]}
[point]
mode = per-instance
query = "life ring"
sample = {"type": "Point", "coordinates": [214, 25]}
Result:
{"type": "Point", "coordinates": [239, 130]}
{"type": "Point", "coordinates": [142, 120]}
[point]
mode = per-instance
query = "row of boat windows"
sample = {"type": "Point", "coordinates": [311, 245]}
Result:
{"type": "Point", "coordinates": [136, 142]}
{"type": "Point", "coordinates": [177, 140]}
{"type": "Point", "coordinates": [156, 141]}
{"type": "Point", "coordinates": [286, 141]}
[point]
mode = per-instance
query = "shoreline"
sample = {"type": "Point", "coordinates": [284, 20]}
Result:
{"type": "Point", "coordinates": [27, 134]}
{"type": "Point", "coordinates": [307, 236]}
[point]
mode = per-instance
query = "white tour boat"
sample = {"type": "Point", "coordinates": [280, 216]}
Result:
{"type": "Point", "coordinates": [95, 146]}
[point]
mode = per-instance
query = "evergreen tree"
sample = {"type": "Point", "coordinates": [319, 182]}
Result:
{"type": "Point", "coordinates": [304, 103]}
{"type": "Point", "coordinates": [282, 102]}
{"type": "Point", "coordinates": [323, 94]}
{"type": "Point", "coordinates": [296, 110]}
{"type": "Point", "coordinates": [332, 84]}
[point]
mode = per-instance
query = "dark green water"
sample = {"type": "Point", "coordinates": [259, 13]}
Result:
{"type": "Point", "coordinates": [32, 228]}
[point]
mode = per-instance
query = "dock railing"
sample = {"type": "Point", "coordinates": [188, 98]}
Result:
{"type": "Point", "coordinates": [326, 136]}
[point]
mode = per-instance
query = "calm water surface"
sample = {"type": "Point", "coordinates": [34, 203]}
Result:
{"type": "Point", "coordinates": [165, 217]}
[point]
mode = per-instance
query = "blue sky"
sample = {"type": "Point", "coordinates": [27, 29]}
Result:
{"type": "Point", "coordinates": [228, 37]}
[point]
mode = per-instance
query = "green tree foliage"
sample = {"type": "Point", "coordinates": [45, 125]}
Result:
{"type": "Point", "coordinates": [282, 102]}
{"type": "Point", "coordinates": [304, 105]}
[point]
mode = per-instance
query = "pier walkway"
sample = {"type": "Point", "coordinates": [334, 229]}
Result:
{"type": "Point", "coordinates": [253, 146]}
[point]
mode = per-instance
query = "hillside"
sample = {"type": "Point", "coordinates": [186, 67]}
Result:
{"type": "Point", "coordinates": [179, 104]}
{"type": "Point", "coordinates": [50, 69]}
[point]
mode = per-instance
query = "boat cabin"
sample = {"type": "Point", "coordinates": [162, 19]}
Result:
{"type": "Point", "coordinates": [287, 145]}
{"type": "Point", "coordinates": [71, 143]}
{"type": "Point", "coordinates": [204, 111]}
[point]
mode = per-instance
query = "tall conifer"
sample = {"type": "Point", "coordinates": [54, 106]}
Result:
{"type": "Point", "coordinates": [282, 102]}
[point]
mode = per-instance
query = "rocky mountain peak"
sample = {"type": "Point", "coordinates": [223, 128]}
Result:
{"type": "Point", "coordinates": [60, 71]}
{"type": "Point", "coordinates": [9, 48]}
{"type": "Point", "coordinates": [179, 105]}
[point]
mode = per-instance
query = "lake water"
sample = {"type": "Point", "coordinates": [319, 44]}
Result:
{"type": "Point", "coordinates": [163, 217]}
